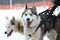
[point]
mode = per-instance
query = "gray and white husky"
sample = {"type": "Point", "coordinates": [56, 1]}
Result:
{"type": "Point", "coordinates": [30, 21]}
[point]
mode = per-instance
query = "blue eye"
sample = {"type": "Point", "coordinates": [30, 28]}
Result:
{"type": "Point", "coordinates": [25, 14]}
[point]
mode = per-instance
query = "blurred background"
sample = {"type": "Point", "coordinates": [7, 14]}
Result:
{"type": "Point", "coordinates": [17, 4]}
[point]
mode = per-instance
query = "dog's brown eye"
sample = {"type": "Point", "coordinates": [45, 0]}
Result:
{"type": "Point", "coordinates": [31, 14]}
{"type": "Point", "coordinates": [25, 14]}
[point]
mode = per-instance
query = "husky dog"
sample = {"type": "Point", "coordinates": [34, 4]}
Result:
{"type": "Point", "coordinates": [13, 25]}
{"type": "Point", "coordinates": [30, 21]}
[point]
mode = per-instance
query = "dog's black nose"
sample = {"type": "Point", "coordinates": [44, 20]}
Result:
{"type": "Point", "coordinates": [29, 35]}
{"type": "Point", "coordinates": [28, 19]}
{"type": "Point", "coordinates": [5, 32]}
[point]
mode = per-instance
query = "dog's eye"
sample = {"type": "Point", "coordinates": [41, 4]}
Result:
{"type": "Point", "coordinates": [30, 14]}
{"type": "Point", "coordinates": [8, 26]}
{"type": "Point", "coordinates": [25, 14]}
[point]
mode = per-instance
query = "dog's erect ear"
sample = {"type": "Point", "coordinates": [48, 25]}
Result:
{"type": "Point", "coordinates": [13, 19]}
{"type": "Point", "coordinates": [7, 18]}
{"type": "Point", "coordinates": [26, 6]}
{"type": "Point", "coordinates": [34, 8]}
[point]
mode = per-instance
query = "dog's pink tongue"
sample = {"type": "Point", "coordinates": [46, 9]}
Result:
{"type": "Point", "coordinates": [28, 24]}
{"type": "Point", "coordinates": [9, 33]}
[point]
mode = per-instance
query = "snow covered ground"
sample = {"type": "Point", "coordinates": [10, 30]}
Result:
{"type": "Point", "coordinates": [17, 14]}
{"type": "Point", "coordinates": [9, 14]}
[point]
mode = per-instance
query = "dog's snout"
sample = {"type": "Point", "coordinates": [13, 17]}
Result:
{"type": "Point", "coordinates": [28, 19]}
{"type": "Point", "coordinates": [5, 32]}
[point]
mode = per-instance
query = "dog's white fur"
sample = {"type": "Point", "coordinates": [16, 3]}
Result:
{"type": "Point", "coordinates": [27, 31]}
{"type": "Point", "coordinates": [10, 27]}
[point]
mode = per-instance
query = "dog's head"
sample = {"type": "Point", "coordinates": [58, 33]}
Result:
{"type": "Point", "coordinates": [10, 26]}
{"type": "Point", "coordinates": [29, 16]}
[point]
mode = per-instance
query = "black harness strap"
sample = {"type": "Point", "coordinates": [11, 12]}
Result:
{"type": "Point", "coordinates": [52, 10]}
{"type": "Point", "coordinates": [45, 19]}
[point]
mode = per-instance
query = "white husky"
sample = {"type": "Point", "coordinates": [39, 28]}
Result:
{"type": "Point", "coordinates": [13, 25]}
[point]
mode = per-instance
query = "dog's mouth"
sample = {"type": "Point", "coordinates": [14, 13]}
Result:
{"type": "Point", "coordinates": [29, 23]}
{"type": "Point", "coordinates": [9, 33]}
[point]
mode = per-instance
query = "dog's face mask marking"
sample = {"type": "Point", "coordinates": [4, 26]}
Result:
{"type": "Point", "coordinates": [10, 27]}
{"type": "Point", "coordinates": [29, 16]}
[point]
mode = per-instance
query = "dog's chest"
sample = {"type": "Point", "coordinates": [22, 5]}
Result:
{"type": "Point", "coordinates": [29, 30]}
{"type": "Point", "coordinates": [36, 34]}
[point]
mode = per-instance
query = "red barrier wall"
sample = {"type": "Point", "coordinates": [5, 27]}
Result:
{"type": "Point", "coordinates": [19, 6]}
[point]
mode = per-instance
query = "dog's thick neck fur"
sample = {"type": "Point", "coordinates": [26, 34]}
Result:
{"type": "Point", "coordinates": [18, 26]}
